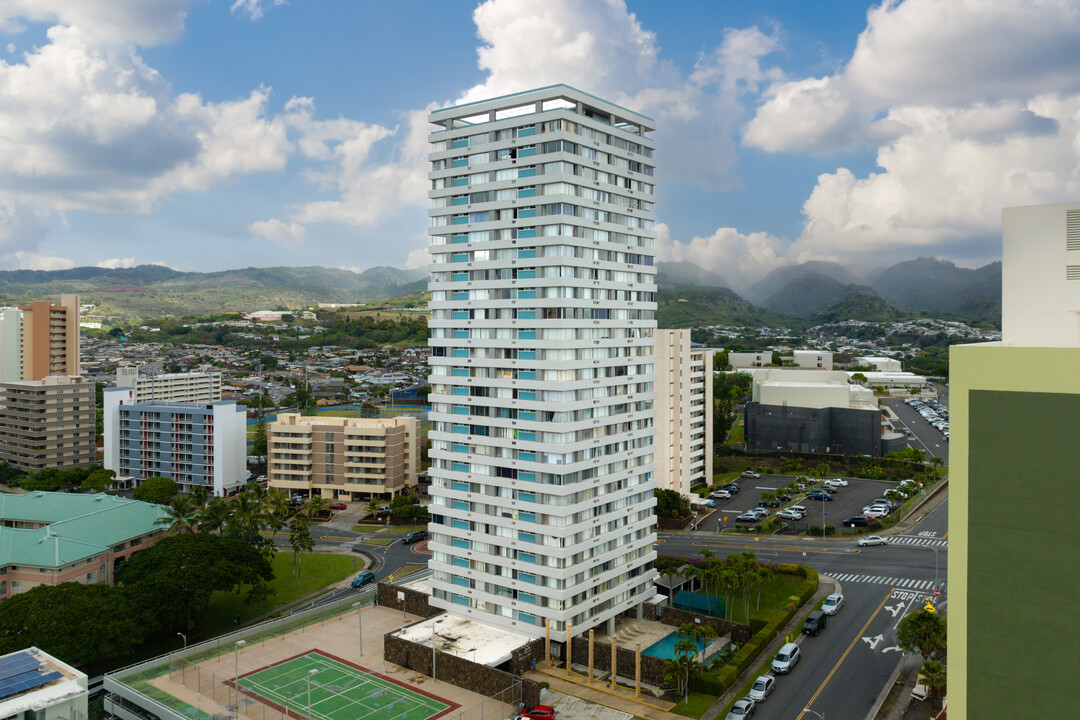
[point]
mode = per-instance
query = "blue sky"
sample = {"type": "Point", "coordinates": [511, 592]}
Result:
{"type": "Point", "coordinates": [209, 134]}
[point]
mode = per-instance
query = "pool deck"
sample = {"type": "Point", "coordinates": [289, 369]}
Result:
{"type": "Point", "coordinates": [630, 631]}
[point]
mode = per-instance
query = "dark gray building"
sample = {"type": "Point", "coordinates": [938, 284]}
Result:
{"type": "Point", "coordinates": [842, 431]}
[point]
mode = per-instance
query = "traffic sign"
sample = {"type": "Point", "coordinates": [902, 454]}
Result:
{"type": "Point", "coordinates": [937, 593]}
{"type": "Point", "coordinates": [929, 608]}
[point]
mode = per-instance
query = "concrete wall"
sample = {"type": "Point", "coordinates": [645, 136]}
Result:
{"type": "Point", "coordinates": [415, 603]}
{"type": "Point", "coordinates": [652, 669]}
{"type": "Point", "coordinates": [457, 671]}
{"type": "Point", "coordinates": [834, 430]}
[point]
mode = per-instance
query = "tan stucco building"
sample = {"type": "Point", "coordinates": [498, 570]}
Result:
{"type": "Point", "coordinates": [50, 338]}
{"type": "Point", "coordinates": [48, 423]}
{"type": "Point", "coordinates": [342, 458]}
{"type": "Point", "coordinates": [684, 412]}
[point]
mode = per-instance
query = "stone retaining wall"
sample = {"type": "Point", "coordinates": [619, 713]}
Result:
{"type": "Point", "coordinates": [416, 602]}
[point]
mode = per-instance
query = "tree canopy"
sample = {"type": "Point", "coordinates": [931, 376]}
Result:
{"type": "Point", "coordinates": [55, 619]}
{"type": "Point", "coordinates": [158, 490]}
{"type": "Point", "coordinates": [177, 575]}
{"type": "Point", "coordinates": [922, 632]}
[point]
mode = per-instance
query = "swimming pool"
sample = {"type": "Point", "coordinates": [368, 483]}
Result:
{"type": "Point", "coordinates": [665, 648]}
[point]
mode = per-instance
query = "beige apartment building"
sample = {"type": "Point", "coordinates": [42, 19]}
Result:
{"type": "Point", "coordinates": [47, 423]}
{"type": "Point", "coordinates": [201, 386]}
{"type": "Point", "coordinates": [338, 458]}
{"type": "Point", "coordinates": [50, 338]}
{"type": "Point", "coordinates": [684, 412]}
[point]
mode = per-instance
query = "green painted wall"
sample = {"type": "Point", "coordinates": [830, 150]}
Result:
{"type": "Point", "coordinates": [1023, 562]}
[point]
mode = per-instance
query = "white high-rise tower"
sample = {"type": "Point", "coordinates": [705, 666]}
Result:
{"type": "Point", "coordinates": [543, 302]}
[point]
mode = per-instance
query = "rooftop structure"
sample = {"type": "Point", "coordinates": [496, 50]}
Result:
{"type": "Point", "coordinates": [36, 686]}
{"type": "Point", "coordinates": [542, 364]}
{"type": "Point", "coordinates": [203, 386]}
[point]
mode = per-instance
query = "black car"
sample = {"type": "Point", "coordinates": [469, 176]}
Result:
{"type": "Point", "coordinates": [415, 537]}
{"type": "Point", "coordinates": [769, 503]}
{"type": "Point", "coordinates": [732, 487]}
{"type": "Point", "coordinates": [815, 623]}
{"type": "Point", "coordinates": [783, 495]}
{"type": "Point", "coordinates": [818, 495]}
{"type": "Point", "coordinates": [857, 521]}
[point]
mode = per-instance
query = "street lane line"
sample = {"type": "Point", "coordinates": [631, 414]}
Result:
{"type": "Point", "coordinates": [854, 640]}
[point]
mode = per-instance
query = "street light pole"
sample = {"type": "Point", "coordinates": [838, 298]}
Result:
{"type": "Point", "coordinates": [360, 625]}
{"type": "Point", "coordinates": [309, 674]}
{"type": "Point", "coordinates": [185, 639]}
{"type": "Point", "coordinates": [236, 670]}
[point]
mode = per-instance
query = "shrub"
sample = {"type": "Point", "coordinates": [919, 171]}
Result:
{"type": "Point", "coordinates": [544, 685]}
{"type": "Point", "coordinates": [830, 529]}
{"type": "Point", "coordinates": [874, 525]}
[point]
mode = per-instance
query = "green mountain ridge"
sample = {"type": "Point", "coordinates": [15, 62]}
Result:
{"type": "Point", "coordinates": [689, 306]}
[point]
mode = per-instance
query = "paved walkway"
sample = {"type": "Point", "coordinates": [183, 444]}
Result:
{"type": "Point", "coordinates": [601, 693]}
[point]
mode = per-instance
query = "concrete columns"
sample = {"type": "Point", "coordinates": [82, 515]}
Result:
{"type": "Point", "coordinates": [569, 647]}
{"type": "Point", "coordinates": [547, 642]}
{"type": "Point", "coordinates": [637, 671]}
{"type": "Point", "coordinates": [614, 661]}
{"type": "Point", "coordinates": [590, 654]}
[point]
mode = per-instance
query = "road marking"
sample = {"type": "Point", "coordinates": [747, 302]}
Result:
{"type": "Point", "coordinates": [854, 640]}
{"type": "Point", "coordinates": [783, 548]}
{"type": "Point", "coordinates": [873, 642]}
{"type": "Point", "coordinates": [336, 538]}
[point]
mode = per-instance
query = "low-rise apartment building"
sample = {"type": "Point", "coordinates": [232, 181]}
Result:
{"type": "Point", "coordinates": [37, 686]}
{"type": "Point", "coordinates": [194, 444]}
{"type": "Point", "coordinates": [342, 458]}
{"type": "Point", "coordinates": [48, 423]}
{"type": "Point", "coordinates": [52, 538]}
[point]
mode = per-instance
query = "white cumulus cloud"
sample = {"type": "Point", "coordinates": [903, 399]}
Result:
{"type": "Point", "coordinates": [740, 259]}
{"type": "Point", "coordinates": [114, 263]}
{"type": "Point", "coordinates": [281, 232]}
{"type": "Point", "coordinates": [253, 8]}
{"type": "Point", "coordinates": [40, 261]}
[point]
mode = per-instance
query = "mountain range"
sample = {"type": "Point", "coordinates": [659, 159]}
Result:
{"type": "Point", "coordinates": [152, 290]}
{"type": "Point", "coordinates": [801, 295]}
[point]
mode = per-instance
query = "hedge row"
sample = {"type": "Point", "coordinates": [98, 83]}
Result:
{"type": "Point", "coordinates": [765, 630]}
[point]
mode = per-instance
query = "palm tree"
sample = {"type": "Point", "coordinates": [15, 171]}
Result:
{"type": "Point", "coordinates": [276, 508]}
{"type": "Point", "coordinates": [373, 505]}
{"type": "Point", "coordinates": [934, 675]}
{"type": "Point", "coordinates": [936, 462]}
{"type": "Point", "coordinates": [214, 515]}
{"type": "Point", "coordinates": [247, 515]}
{"type": "Point", "coordinates": [199, 495]}
{"type": "Point", "coordinates": [764, 574]}
{"type": "Point", "coordinates": [300, 540]}
{"type": "Point", "coordinates": [318, 505]}
{"type": "Point", "coordinates": [181, 516]}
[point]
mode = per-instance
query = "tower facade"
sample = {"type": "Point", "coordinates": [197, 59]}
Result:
{"type": "Point", "coordinates": [50, 340]}
{"type": "Point", "coordinates": [684, 412]}
{"type": "Point", "coordinates": [542, 363]}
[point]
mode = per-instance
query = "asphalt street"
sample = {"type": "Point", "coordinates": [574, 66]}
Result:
{"type": "Point", "coordinates": [844, 669]}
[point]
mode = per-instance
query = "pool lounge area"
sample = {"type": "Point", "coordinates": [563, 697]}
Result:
{"type": "Point", "coordinates": [665, 648]}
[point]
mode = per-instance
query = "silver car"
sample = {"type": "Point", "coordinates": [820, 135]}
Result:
{"type": "Point", "coordinates": [762, 687]}
{"type": "Point", "coordinates": [741, 710]}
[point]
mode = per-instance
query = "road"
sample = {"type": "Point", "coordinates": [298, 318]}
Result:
{"type": "Point", "coordinates": [924, 436]}
{"type": "Point", "coordinates": [844, 669]}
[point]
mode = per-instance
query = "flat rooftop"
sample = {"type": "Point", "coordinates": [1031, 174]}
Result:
{"type": "Point", "coordinates": [467, 639]}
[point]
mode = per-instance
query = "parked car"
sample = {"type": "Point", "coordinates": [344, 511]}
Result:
{"type": "Point", "coordinates": [872, 540]}
{"type": "Point", "coordinates": [761, 688]}
{"type": "Point", "coordinates": [741, 710]}
{"type": "Point", "coordinates": [875, 511]}
{"type": "Point", "coordinates": [537, 712]}
{"type": "Point", "coordinates": [751, 474]}
{"type": "Point", "coordinates": [789, 514]}
{"type": "Point", "coordinates": [787, 658]}
{"type": "Point", "coordinates": [363, 579]}
{"type": "Point", "coordinates": [856, 521]}
{"type": "Point", "coordinates": [769, 503]}
{"type": "Point", "coordinates": [801, 509]}
{"type": "Point", "coordinates": [748, 517]}
{"type": "Point", "coordinates": [415, 536]}
{"type": "Point", "coordinates": [832, 604]}
{"type": "Point", "coordinates": [783, 495]}
{"type": "Point", "coordinates": [815, 623]}
{"type": "Point", "coordinates": [707, 502]}
{"type": "Point", "coordinates": [336, 506]}
{"type": "Point", "coordinates": [761, 512]}
{"type": "Point", "coordinates": [819, 495]}
{"type": "Point", "coordinates": [732, 487]}
{"type": "Point", "coordinates": [720, 494]}
{"type": "Point", "coordinates": [383, 511]}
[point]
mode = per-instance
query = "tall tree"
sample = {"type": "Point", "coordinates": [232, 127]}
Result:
{"type": "Point", "coordinates": [935, 676]}
{"type": "Point", "coordinates": [318, 505]}
{"type": "Point", "coordinates": [158, 490]}
{"type": "Point", "coordinates": [372, 506]}
{"type": "Point", "coordinates": [181, 516]}
{"type": "Point", "coordinates": [276, 510]}
{"type": "Point", "coordinates": [300, 540]}
{"type": "Point", "coordinates": [922, 632]}
{"type": "Point", "coordinates": [214, 515]}
{"type": "Point", "coordinates": [177, 575]}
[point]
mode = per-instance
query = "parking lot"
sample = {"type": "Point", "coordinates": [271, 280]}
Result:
{"type": "Point", "coordinates": [923, 435]}
{"type": "Point", "coordinates": [847, 502]}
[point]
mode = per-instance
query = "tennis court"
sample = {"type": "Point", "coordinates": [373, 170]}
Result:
{"type": "Point", "coordinates": [339, 691]}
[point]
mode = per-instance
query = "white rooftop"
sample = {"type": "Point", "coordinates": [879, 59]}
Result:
{"type": "Point", "coordinates": [421, 585]}
{"type": "Point", "coordinates": [466, 639]}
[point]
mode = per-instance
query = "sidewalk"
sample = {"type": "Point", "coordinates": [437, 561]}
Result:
{"type": "Point", "coordinates": [600, 692]}
{"type": "Point", "coordinates": [826, 586]}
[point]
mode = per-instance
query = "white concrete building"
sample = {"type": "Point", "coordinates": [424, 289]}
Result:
{"type": "Point", "coordinates": [879, 363]}
{"type": "Point", "coordinates": [37, 686]}
{"type": "Point", "coordinates": [203, 386]}
{"type": "Point", "coordinates": [809, 389]}
{"type": "Point", "coordinates": [819, 359]}
{"type": "Point", "coordinates": [11, 348]}
{"type": "Point", "coordinates": [684, 412]}
{"type": "Point", "coordinates": [892, 380]}
{"type": "Point", "coordinates": [542, 365]}
{"type": "Point", "coordinates": [195, 444]}
{"type": "Point", "coordinates": [738, 360]}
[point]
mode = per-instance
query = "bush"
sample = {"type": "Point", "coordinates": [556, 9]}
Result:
{"type": "Point", "coordinates": [830, 529]}
{"type": "Point", "coordinates": [874, 525]}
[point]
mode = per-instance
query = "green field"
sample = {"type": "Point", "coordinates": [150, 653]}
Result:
{"type": "Point", "coordinates": [320, 688]}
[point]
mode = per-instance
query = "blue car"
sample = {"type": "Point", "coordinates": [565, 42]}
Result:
{"type": "Point", "coordinates": [818, 495]}
{"type": "Point", "coordinates": [363, 579]}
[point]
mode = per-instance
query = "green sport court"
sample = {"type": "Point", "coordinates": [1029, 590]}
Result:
{"type": "Point", "coordinates": [339, 691]}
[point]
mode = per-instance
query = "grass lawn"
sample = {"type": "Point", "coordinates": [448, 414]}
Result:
{"type": "Point", "coordinates": [737, 436]}
{"type": "Point", "coordinates": [695, 706]}
{"type": "Point", "coordinates": [317, 570]}
{"type": "Point", "coordinates": [367, 528]}
{"type": "Point", "coordinates": [402, 529]}
{"type": "Point", "coordinates": [774, 595]}
{"type": "Point", "coordinates": [380, 540]}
